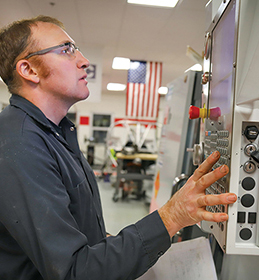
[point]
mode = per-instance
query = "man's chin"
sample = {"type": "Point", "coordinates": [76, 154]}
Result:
{"type": "Point", "coordinates": [87, 95]}
{"type": "Point", "coordinates": [84, 96]}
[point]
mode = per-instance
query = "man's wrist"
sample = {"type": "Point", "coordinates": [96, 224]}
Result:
{"type": "Point", "coordinates": [171, 226]}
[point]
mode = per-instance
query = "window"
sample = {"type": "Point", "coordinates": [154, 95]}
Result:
{"type": "Point", "coordinates": [100, 125]}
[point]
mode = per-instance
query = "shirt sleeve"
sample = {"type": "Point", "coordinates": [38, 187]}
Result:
{"type": "Point", "coordinates": [35, 211]}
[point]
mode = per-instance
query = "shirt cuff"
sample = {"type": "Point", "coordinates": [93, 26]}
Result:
{"type": "Point", "coordinates": [154, 236]}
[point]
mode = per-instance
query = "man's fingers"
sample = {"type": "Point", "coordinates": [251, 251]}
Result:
{"type": "Point", "coordinates": [211, 177]}
{"type": "Point", "coordinates": [206, 166]}
{"type": "Point", "coordinates": [214, 217]}
{"type": "Point", "coordinates": [210, 200]}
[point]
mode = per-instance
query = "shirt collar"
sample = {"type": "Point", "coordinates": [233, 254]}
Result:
{"type": "Point", "coordinates": [70, 140]}
{"type": "Point", "coordinates": [35, 113]}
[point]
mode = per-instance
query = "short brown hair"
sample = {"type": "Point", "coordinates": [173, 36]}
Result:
{"type": "Point", "coordinates": [16, 39]}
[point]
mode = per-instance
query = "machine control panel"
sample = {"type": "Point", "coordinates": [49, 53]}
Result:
{"type": "Point", "coordinates": [218, 138]}
{"type": "Point", "coordinates": [248, 187]}
{"type": "Point", "coordinates": [234, 129]}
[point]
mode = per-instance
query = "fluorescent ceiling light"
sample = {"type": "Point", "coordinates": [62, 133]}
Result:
{"type": "Point", "coordinates": [163, 90]}
{"type": "Point", "coordinates": [159, 3]}
{"type": "Point", "coordinates": [116, 87]}
{"type": "Point", "coordinates": [195, 67]}
{"type": "Point", "coordinates": [121, 63]}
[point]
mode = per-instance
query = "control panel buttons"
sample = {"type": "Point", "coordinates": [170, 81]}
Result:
{"type": "Point", "coordinates": [251, 132]}
{"type": "Point", "coordinates": [248, 183]}
{"type": "Point", "coordinates": [241, 217]}
{"type": "Point", "coordinates": [249, 167]}
{"type": "Point", "coordinates": [245, 234]}
{"type": "Point", "coordinates": [252, 218]}
{"type": "Point", "coordinates": [247, 200]}
{"type": "Point", "coordinates": [250, 148]}
{"type": "Point", "coordinates": [223, 133]}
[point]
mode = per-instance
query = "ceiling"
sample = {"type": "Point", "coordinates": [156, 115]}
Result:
{"type": "Point", "coordinates": [126, 30]}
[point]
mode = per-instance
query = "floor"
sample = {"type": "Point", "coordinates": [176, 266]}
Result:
{"type": "Point", "coordinates": [124, 212]}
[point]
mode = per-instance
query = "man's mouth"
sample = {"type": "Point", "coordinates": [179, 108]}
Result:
{"type": "Point", "coordinates": [84, 78]}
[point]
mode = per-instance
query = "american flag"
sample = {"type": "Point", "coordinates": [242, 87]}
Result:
{"type": "Point", "coordinates": [144, 80]}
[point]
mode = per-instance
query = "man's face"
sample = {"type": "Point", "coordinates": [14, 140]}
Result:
{"type": "Point", "coordinates": [62, 75]}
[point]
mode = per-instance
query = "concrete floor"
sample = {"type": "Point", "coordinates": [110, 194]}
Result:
{"type": "Point", "coordinates": [122, 213]}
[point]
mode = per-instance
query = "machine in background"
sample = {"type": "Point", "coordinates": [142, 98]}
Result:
{"type": "Point", "coordinates": [134, 159]}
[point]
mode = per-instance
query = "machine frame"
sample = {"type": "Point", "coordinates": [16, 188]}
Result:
{"type": "Point", "coordinates": [228, 134]}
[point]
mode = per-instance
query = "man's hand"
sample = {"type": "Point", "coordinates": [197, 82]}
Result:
{"type": "Point", "coordinates": [188, 205]}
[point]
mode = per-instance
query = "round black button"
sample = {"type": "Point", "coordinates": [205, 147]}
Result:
{"type": "Point", "coordinates": [247, 200]}
{"type": "Point", "coordinates": [248, 183]}
{"type": "Point", "coordinates": [245, 234]}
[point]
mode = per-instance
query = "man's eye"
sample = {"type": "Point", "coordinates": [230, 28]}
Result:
{"type": "Point", "coordinates": [66, 50]}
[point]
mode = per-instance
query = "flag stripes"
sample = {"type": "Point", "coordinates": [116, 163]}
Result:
{"type": "Point", "coordinates": [142, 91]}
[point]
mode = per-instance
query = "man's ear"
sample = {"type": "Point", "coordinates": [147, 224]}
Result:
{"type": "Point", "coordinates": [26, 71]}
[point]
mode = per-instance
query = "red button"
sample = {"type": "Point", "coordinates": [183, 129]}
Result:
{"type": "Point", "coordinates": [194, 112]}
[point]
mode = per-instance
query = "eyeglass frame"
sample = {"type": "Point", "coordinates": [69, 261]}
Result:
{"type": "Point", "coordinates": [44, 51]}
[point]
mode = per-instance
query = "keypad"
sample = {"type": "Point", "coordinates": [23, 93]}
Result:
{"type": "Point", "coordinates": [217, 140]}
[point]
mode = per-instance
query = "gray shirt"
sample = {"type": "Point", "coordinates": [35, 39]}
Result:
{"type": "Point", "coordinates": [51, 222]}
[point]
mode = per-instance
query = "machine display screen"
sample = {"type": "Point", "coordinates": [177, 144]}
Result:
{"type": "Point", "coordinates": [222, 58]}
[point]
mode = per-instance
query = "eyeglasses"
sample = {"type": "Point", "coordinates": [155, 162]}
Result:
{"type": "Point", "coordinates": [69, 49]}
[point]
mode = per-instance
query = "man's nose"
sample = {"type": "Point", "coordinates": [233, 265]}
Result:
{"type": "Point", "coordinates": [82, 61]}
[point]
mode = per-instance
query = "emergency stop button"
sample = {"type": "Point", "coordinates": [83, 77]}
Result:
{"type": "Point", "coordinates": [196, 112]}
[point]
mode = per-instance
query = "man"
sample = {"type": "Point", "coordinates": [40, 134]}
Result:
{"type": "Point", "coordinates": [51, 224]}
